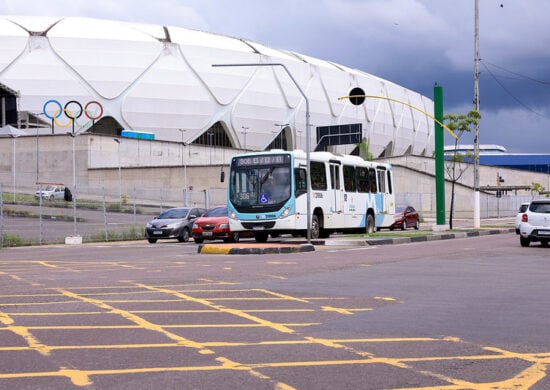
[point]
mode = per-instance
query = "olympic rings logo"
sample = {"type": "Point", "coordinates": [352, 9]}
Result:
{"type": "Point", "coordinates": [73, 110]}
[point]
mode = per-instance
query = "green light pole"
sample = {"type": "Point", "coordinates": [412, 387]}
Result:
{"type": "Point", "coordinates": [439, 161]}
{"type": "Point", "coordinates": [357, 97]}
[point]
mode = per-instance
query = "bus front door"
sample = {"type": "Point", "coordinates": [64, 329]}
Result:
{"type": "Point", "coordinates": [337, 217]}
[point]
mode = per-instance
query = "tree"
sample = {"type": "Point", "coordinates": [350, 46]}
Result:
{"type": "Point", "coordinates": [364, 152]}
{"type": "Point", "coordinates": [538, 188]}
{"type": "Point", "coordinates": [455, 167]}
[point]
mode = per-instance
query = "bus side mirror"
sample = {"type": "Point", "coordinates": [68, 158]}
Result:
{"type": "Point", "coordinates": [222, 176]}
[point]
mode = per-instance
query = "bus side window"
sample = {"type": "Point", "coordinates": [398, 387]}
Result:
{"type": "Point", "coordinates": [362, 179]}
{"type": "Point", "coordinates": [334, 176]}
{"type": "Point", "coordinates": [349, 178]}
{"type": "Point", "coordinates": [372, 181]}
{"type": "Point", "coordinates": [318, 176]}
{"type": "Point", "coordinates": [300, 181]}
{"type": "Point", "coordinates": [381, 180]}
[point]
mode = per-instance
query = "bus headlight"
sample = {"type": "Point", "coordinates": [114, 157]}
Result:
{"type": "Point", "coordinates": [232, 215]}
{"type": "Point", "coordinates": [285, 213]}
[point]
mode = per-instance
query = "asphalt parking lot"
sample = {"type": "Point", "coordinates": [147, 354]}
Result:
{"type": "Point", "coordinates": [135, 315]}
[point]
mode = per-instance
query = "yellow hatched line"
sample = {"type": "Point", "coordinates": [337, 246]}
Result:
{"type": "Point", "coordinates": [266, 324]}
{"type": "Point", "coordinates": [239, 313]}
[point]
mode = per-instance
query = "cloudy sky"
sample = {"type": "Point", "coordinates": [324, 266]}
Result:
{"type": "Point", "coordinates": [414, 43]}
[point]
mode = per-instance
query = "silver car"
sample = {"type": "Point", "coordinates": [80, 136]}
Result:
{"type": "Point", "coordinates": [173, 223]}
{"type": "Point", "coordinates": [50, 192]}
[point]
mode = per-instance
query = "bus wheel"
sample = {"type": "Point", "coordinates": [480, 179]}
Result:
{"type": "Point", "coordinates": [370, 224]}
{"type": "Point", "coordinates": [315, 228]}
{"type": "Point", "coordinates": [261, 237]}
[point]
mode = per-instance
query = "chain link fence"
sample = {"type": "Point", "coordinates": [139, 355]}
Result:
{"type": "Point", "coordinates": [105, 214]}
{"type": "Point", "coordinates": [98, 214]}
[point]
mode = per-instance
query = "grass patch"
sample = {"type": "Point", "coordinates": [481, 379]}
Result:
{"type": "Point", "coordinates": [131, 234]}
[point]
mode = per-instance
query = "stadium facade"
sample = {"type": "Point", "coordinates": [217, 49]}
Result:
{"type": "Point", "coordinates": [112, 76]}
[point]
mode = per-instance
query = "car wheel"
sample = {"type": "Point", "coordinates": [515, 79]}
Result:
{"type": "Point", "coordinates": [152, 240]}
{"type": "Point", "coordinates": [404, 226]}
{"type": "Point", "coordinates": [198, 240]}
{"type": "Point", "coordinates": [51, 197]}
{"type": "Point", "coordinates": [544, 243]}
{"type": "Point", "coordinates": [184, 236]}
{"type": "Point", "coordinates": [524, 241]}
{"type": "Point", "coordinates": [417, 225]}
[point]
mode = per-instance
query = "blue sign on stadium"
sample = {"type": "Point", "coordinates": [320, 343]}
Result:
{"type": "Point", "coordinates": [137, 134]}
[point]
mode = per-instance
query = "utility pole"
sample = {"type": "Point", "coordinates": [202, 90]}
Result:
{"type": "Point", "coordinates": [477, 222]}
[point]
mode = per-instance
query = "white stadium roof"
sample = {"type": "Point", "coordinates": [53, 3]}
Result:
{"type": "Point", "coordinates": [160, 79]}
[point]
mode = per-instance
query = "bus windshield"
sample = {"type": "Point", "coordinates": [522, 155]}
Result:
{"type": "Point", "coordinates": [259, 182]}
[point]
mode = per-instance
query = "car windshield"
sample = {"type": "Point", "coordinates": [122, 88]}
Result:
{"type": "Point", "coordinates": [174, 214]}
{"type": "Point", "coordinates": [217, 212]}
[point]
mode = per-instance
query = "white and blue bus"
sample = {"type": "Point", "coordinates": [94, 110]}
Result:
{"type": "Point", "coordinates": [267, 194]}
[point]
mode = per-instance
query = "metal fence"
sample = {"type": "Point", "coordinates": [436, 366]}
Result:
{"type": "Point", "coordinates": [102, 214]}
{"type": "Point", "coordinates": [490, 205]}
{"type": "Point", "coordinates": [93, 214]}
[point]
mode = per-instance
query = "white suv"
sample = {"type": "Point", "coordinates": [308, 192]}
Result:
{"type": "Point", "coordinates": [535, 223]}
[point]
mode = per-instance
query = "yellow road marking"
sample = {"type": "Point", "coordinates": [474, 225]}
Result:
{"type": "Point", "coordinates": [239, 313]}
{"type": "Point", "coordinates": [140, 322]}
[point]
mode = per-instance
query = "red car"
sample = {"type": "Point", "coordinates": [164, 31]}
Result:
{"type": "Point", "coordinates": [405, 217]}
{"type": "Point", "coordinates": [214, 225]}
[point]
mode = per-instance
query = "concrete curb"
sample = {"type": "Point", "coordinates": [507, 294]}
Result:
{"type": "Point", "coordinates": [406, 240]}
{"type": "Point", "coordinates": [253, 249]}
{"type": "Point", "coordinates": [436, 237]}
{"type": "Point", "coordinates": [293, 246]}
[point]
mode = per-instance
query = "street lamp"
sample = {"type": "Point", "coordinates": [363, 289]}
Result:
{"type": "Point", "coordinates": [119, 172]}
{"type": "Point", "coordinates": [210, 134]}
{"type": "Point", "coordinates": [13, 136]}
{"type": "Point", "coordinates": [73, 135]}
{"type": "Point", "coordinates": [244, 132]}
{"type": "Point", "coordinates": [308, 138]}
{"type": "Point", "coordinates": [184, 163]}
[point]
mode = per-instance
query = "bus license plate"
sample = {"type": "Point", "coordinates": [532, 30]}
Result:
{"type": "Point", "coordinates": [258, 227]}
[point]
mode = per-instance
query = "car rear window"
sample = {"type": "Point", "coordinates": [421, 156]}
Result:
{"type": "Point", "coordinates": [523, 207]}
{"type": "Point", "coordinates": [540, 207]}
